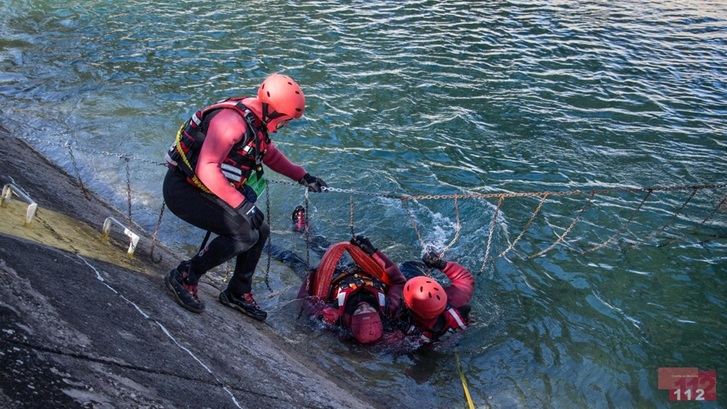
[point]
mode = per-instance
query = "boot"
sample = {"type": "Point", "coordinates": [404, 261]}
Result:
{"type": "Point", "coordinates": [184, 293]}
{"type": "Point", "coordinates": [245, 304]}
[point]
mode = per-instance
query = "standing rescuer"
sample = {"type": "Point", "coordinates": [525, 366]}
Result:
{"type": "Point", "coordinates": [216, 175]}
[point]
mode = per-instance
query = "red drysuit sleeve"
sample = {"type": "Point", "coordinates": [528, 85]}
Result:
{"type": "Point", "coordinates": [276, 160]}
{"type": "Point", "coordinates": [224, 131]}
{"type": "Point", "coordinates": [397, 281]}
{"type": "Point", "coordinates": [462, 284]}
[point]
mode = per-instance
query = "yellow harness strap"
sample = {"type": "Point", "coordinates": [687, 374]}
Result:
{"type": "Point", "coordinates": [178, 146]}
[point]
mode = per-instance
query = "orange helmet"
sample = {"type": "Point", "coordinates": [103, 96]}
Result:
{"type": "Point", "coordinates": [425, 297]}
{"type": "Point", "coordinates": [282, 100]}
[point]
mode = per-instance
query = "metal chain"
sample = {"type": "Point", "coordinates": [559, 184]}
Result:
{"type": "Point", "coordinates": [575, 221]}
{"type": "Point", "coordinates": [527, 226]}
{"type": "Point", "coordinates": [493, 223]}
{"type": "Point", "coordinates": [714, 211]}
{"type": "Point", "coordinates": [350, 215]}
{"type": "Point", "coordinates": [64, 144]}
{"type": "Point", "coordinates": [673, 216]}
{"type": "Point", "coordinates": [78, 173]}
{"type": "Point", "coordinates": [458, 230]}
{"type": "Point", "coordinates": [507, 195]}
{"type": "Point", "coordinates": [270, 238]}
{"type": "Point", "coordinates": [404, 196]}
{"type": "Point", "coordinates": [624, 226]}
{"type": "Point", "coordinates": [128, 190]}
{"type": "Point", "coordinates": [154, 236]}
{"type": "Point", "coordinates": [307, 231]}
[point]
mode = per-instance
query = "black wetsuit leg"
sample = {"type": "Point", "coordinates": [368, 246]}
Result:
{"type": "Point", "coordinates": [235, 237]}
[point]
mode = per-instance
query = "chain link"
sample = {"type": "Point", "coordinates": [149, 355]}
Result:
{"type": "Point", "coordinates": [406, 198]}
{"type": "Point", "coordinates": [307, 232]}
{"type": "Point", "coordinates": [78, 172]}
{"type": "Point", "coordinates": [527, 226]}
{"type": "Point", "coordinates": [493, 223]}
{"type": "Point", "coordinates": [350, 215]}
{"type": "Point", "coordinates": [575, 221]}
{"type": "Point", "coordinates": [155, 234]}
{"type": "Point", "coordinates": [458, 230]}
{"type": "Point", "coordinates": [674, 216]}
{"type": "Point", "coordinates": [128, 190]}
{"type": "Point", "coordinates": [405, 204]}
{"type": "Point", "coordinates": [624, 226]}
{"type": "Point", "coordinates": [714, 211]}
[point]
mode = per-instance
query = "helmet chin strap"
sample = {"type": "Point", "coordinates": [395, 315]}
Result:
{"type": "Point", "coordinates": [269, 116]}
{"type": "Point", "coordinates": [265, 118]}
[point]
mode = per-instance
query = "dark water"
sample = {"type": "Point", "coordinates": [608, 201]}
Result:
{"type": "Point", "coordinates": [438, 97]}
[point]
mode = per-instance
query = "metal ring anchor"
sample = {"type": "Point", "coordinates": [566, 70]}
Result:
{"type": "Point", "coordinates": [7, 194]}
{"type": "Point", "coordinates": [132, 236]}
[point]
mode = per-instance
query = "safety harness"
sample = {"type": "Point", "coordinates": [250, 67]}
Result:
{"type": "Point", "coordinates": [244, 158]}
{"type": "Point", "coordinates": [357, 285]}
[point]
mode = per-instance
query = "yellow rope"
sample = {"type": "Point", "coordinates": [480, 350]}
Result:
{"type": "Point", "coordinates": [467, 396]}
{"type": "Point", "coordinates": [178, 147]}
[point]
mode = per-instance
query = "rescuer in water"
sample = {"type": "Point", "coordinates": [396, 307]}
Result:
{"type": "Point", "coordinates": [366, 297]}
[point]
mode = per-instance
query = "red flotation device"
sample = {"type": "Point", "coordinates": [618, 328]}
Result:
{"type": "Point", "coordinates": [322, 278]}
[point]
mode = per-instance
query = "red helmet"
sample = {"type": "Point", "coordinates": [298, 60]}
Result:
{"type": "Point", "coordinates": [425, 297]}
{"type": "Point", "coordinates": [282, 100]}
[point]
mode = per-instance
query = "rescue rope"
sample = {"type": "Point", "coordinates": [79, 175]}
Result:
{"type": "Point", "coordinates": [405, 205]}
{"type": "Point", "coordinates": [463, 379]}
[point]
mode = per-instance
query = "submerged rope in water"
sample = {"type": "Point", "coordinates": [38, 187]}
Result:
{"type": "Point", "coordinates": [463, 379]}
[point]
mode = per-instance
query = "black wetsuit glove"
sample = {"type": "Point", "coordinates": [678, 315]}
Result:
{"type": "Point", "coordinates": [251, 214]}
{"type": "Point", "coordinates": [313, 183]}
{"type": "Point", "coordinates": [433, 260]}
{"type": "Point", "coordinates": [364, 244]}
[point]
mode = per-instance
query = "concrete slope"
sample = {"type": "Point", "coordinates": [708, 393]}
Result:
{"type": "Point", "coordinates": [80, 330]}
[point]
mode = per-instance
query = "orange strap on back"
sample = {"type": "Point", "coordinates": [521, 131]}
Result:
{"type": "Point", "coordinates": [324, 273]}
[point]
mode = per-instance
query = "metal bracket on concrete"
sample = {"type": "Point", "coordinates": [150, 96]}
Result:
{"type": "Point", "coordinates": [132, 236]}
{"type": "Point", "coordinates": [8, 191]}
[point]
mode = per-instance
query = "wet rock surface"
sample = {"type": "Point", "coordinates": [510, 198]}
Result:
{"type": "Point", "coordinates": [77, 332]}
